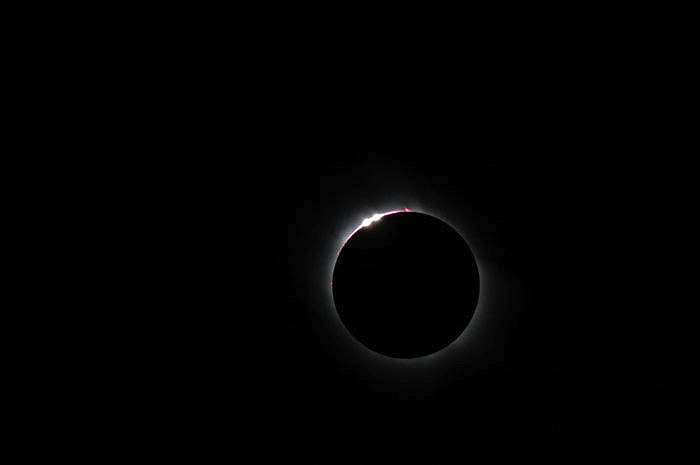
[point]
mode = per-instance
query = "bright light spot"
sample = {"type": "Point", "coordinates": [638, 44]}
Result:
{"type": "Point", "coordinates": [373, 219]}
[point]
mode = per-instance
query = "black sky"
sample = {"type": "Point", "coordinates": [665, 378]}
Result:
{"type": "Point", "coordinates": [183, 188]}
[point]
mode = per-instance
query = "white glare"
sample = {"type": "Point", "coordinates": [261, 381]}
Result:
{"type": "Point", "coordinates": [372, 219]}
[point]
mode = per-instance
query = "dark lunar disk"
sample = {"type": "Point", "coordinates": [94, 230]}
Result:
{"type": "Point", "coordinates": [406, 285]}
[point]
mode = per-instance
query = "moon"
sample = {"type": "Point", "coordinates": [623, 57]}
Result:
{"type": "Point", "coordinates": [405, 284]}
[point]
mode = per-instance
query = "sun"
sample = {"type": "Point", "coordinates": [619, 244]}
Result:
{"type": "Point", "coordinates": [338, 241]}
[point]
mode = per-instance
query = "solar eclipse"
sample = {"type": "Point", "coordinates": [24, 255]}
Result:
{"type": "Point", "coordinates": [405, 284]}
